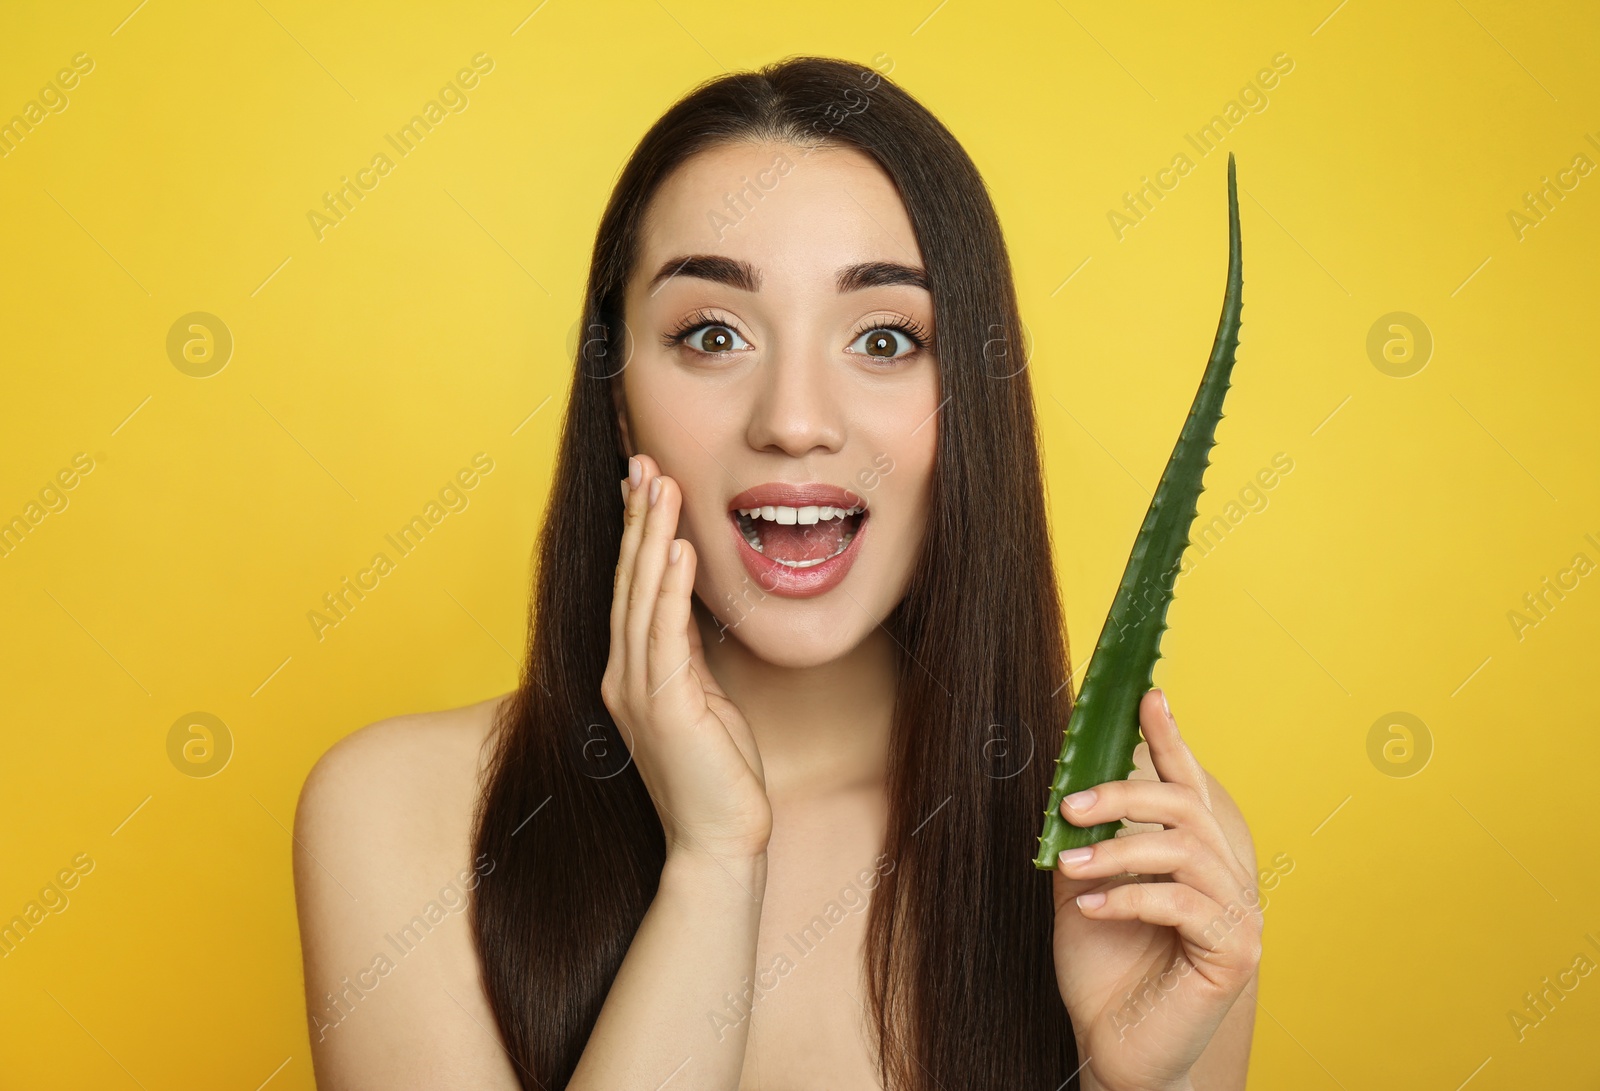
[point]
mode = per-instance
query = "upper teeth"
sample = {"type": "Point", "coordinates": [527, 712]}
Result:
{"type": "Point", "coordinates": [780, 513]}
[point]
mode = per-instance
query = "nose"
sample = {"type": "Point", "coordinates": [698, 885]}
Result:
{"type": "Point", "coordinates": [796, 409]}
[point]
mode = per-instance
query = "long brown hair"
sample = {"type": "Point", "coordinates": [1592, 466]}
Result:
{"type": "Point", "coordinates": [958, 950]}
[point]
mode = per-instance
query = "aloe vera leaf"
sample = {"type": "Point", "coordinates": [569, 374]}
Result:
{"type": "Point", "coordinates": [1104, 728]}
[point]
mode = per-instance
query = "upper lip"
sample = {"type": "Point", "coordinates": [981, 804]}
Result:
{"type": "Point", "coordinates": [775, 493]}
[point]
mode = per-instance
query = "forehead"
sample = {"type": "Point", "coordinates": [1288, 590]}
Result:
{"type": "Point", "coordinates": [795, 217]}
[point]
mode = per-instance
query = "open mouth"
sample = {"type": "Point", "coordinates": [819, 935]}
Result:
{"type": "Point", "coordinates": [799, 537]}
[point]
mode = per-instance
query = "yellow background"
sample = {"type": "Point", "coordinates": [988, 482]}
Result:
{"type": "Point", "coordinates": [436, 318]}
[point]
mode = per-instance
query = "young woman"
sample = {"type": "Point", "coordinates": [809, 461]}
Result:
{"type": "Point", "coordinates": [761, 812]}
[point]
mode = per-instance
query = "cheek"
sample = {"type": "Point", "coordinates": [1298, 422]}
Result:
{"type": "Point", "coordinates": [678, 425]}
{"type": "Point", "coordinates": [911, 440]}
{"type": "Point", "coordinates": [899, 482]}
{"type": "Point", "coordinates": [913, 491]}
{"type": "Point", "coordinates": [899, 433]}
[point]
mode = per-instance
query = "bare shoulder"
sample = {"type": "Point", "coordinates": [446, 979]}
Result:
{"type": "Point", "coordinates": [393, 801]}
{"type": "Point", "coordinates": [384, 874]}
{"type": "Point", "coordinates": [425, 761]}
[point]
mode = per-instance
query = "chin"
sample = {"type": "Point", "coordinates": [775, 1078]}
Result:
{"type": "Point", "coordinates": [792, 634]}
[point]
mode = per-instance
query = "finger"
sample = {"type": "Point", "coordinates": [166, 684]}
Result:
{"type": "Point", "coordinates": [649, 564]}
{"type": "Point", "coordinates": [697, 654]}
{"type": "Point", "coordinates": [1169, 805]}
{"type": "Point", "coordinates": [1178, 853]}
{"type": "Point", "coordinates": [667, 649]}
{"type": "Point", "coordinates": [1231, 938]}
{"type": "Point", "coordinates": [1174, 761]}
{"type": "Point", "coordinates": [632, 530]}
{"type": "Point", "coordinates": [1143, 769]}
{"type": "Point", "coordinates": [1137, 801]}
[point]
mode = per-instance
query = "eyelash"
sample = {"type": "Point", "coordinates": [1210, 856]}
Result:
{"type": "Point", "coordinates": [914, 331]}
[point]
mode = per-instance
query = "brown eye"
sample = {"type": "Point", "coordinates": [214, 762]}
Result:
{"type": "Point", "coordinates": [886, 343]}
{"type": "Point", "coordinates": [715, 339]}
{"type": "Point", "coordinates": [708, 338]}
{"type": "Point", "coordinates": [881, 343]}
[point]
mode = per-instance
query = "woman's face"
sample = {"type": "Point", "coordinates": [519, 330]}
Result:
{"type": "Point", "coordinates": [771, 374]}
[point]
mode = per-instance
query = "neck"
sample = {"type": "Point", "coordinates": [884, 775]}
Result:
{"type": "Point", "coordinates": [819, 729]}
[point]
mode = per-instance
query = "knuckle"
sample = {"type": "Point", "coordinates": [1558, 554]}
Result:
{"type": "Point", "coordinates": [611, 687]}
{"type": "Point", "coordinates": [665, 599]}
{"type": "Point", "coordinates": [635, 595]}
{"type": "Point", "coordinates": [1257, 926]}
{"type": "Point", "coordinates": [656, 636]}
{"type": "Point", "coordinates": [1252, 953]}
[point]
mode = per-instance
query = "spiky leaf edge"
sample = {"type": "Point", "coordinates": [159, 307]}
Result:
{"type": "Point", "coordinates": [1104, 728]}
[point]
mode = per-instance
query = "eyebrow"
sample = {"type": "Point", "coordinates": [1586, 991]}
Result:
{"type": "Point", "coordinates": [747, 278]}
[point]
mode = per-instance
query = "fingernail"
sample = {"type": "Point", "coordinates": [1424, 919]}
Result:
{"type": "Point", "coordinates": [1080, 801]}
{"type": "Point", "coordinates": [1167, 708]}
{"type": "Point", "coordinates": [655, 490]}
{"type": "Point", "coordinates": [635, 472]}
{"type": "Point", "coordinates": [626, 489]}
{"type": "Point", "coordinates": [1077, 856]}
{"type": "Point", "coordinates": [674, 551]}
{"type": "Point", "coordinates": [1091, 901]}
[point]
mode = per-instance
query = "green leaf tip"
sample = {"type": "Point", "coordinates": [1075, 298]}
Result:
{"type": "Point", "coordinates": [1104, 728]}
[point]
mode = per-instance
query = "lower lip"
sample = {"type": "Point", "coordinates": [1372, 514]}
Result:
{"type": "Point", "coordinates": [797, 583]}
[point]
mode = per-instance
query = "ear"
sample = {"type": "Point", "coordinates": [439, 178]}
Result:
{"type": "Point", "coordinates": [619, 404]}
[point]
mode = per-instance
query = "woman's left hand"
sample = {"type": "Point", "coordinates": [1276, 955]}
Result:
{"type": "Point", "coordinates": [1149, 963]}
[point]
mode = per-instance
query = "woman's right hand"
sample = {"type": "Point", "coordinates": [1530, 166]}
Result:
{"type": "Point", "coordinates": [694, 750]}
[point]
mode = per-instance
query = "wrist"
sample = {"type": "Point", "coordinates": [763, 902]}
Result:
{"type": "Point", "coordinates": [1088, 1082]}
{"type": "Point", "coordinates": [698, 873]}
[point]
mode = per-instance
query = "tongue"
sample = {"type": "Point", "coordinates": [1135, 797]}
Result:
{"type": "Point", "coordinates": [800, 542]}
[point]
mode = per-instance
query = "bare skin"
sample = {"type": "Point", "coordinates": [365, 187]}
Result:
{"type": "Point", "coordinates": [388, 813]}
{"type": "Point", "coordinates": [760, 729]}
